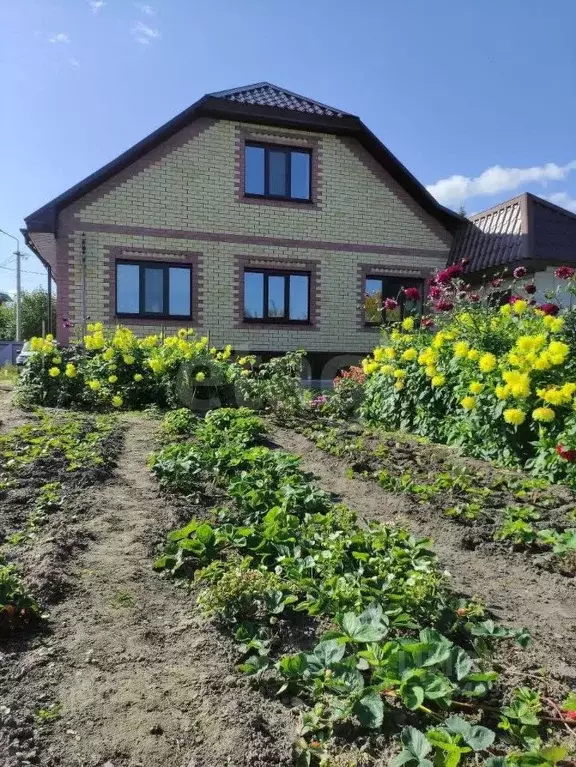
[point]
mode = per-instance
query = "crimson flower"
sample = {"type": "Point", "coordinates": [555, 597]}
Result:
{"type": "Point", "coordinates": [496, 282]}
{"type": "Point", "coordinates": [530, 288]}
{"type": "Point", "coordinates": [570, 715]}
{"type": "Point", "coordinates": [443, 306]}
{"type": "Point", "coordinates": [413, 294]}
{"type": "Point", "coordinates": [566, 453]}
{"type": "Point", "coordinates": [474, 297]}
{"type": "Point", "coordinates": [564, 272]}
{"type": "Point", "coordinates": [427, 322]}
{"type": "Point", "coordinates": [552, 309]}
{"type": "Point", "coordinates": [520, 271]}
{"type": "Point", "coordinates": [390, 304]}
{"type": "Point", "coordinates": [513, 299]}
{"type": "Point", "coordinates": [435, 291]}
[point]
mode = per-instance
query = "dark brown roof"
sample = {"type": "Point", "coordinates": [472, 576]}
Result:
{"type": "Point", "coordinates": [266, 94]}
{"type": "Point", "coordinates": [263, 104]}
{"type": "Point", "coordinates": [524, 229]}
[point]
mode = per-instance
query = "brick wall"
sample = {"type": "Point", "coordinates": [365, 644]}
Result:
{"type": "Point", "coordinates": [183, 202]}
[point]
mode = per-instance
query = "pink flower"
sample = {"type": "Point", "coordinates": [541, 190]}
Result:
{"type": "Point", "coordinates": [496, 282]}
{"type": "Point", "coordinates": [413, 294]}
{"type": "Point", "coordinates": [519, 272]}
{"type": "Point", "coordinates": [448, 274]}
{"type": "Point", "coordinates": [552, 309]}
{"type": "Point", "coordinates": [513, 299]}
{"type": "Point", "coordinates": [390, 304]}
{"type": "Point", "coordinates": [565, 453]}
{"type": "Point", "coordinates": [474, 297]}
{"type": "Point", "coordinates": [427, 322]}
{"type": "Point", "coordinates": [443, 306]}
{"type": "Point", "coordinates": [564, 272]}
{"type": "Point", "coordinates": [530, 288]}
{"type": "Point", "coordinates": [435, 291]}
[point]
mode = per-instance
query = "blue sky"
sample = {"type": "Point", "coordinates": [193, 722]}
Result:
{"type": "Point", "coordinates": [475, 97]}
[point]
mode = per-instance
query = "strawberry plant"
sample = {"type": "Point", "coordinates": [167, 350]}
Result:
{"type": "Point", "coordinates": [17, 607]}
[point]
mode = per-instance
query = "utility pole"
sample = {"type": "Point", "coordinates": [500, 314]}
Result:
{"type": "Point", "coordinates": [18, 255]}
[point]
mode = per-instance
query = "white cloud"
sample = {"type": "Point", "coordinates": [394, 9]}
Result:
{"type": "Point", "coordinates": [145, 8]}
{"type": "Point", "coordinates": [456, 189]}
{"type": "Point", "coordinates": [74, 62]}
{"type": "Point", "coordinates": [96, 5]}
{"type": "Point", "coordinates": [61, 37]}
{"type": "Point", "coordinates": [564, 200]}
{"type": "Point", "coordinates": [144, 34]}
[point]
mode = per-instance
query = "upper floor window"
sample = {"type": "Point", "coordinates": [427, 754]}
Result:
{"type": "Point", "coordinates": [281, 173]}
{"type": "Point", "coordinates": [148, 289]}
{"type": "Point", "coordinates": [276, 296]}
{"type": "Point", "coordinates": [378, 289]}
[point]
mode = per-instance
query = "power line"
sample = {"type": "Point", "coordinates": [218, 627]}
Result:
{"type": "Point", "coordinates": [27, 271]}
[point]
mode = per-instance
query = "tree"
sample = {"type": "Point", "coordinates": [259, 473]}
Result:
{"type": "Point", "coordinates": [34, 310]}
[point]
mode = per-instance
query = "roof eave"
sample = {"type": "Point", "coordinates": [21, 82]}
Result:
{"type": "Point", "coordinates": [45, 219]}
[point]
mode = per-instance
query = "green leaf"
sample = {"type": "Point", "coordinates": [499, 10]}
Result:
{"type": "Point", "coordinates": [479, 737]}
{"type": "Point", "coordinates": [415, 742]}
{"type": "Point", "coordinates": [205, 534]}
{"type": "Point", "coordinates": [358, 631]}
{"type": "Point", "coordinates": [329, 652]}
{"type": "Point", "coordinates": [183, 532]}
{"type": "Point", "coordinates": [293, 665]}
{"type": "Point", "coordinates": [458, 726]}
{"type": "Point", "coordinates": [554, 754]}
{"type": "Point", "coordinates": [463, 665]}
{"type": "Point", "coordinates": [370, 710]}
{"type": "Point", "coordinates": [255, 664]}
{"type": "Point", "coordinates": [413, 696]}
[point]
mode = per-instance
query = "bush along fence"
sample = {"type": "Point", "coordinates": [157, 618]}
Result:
{"type": "Point", "coordinates": [498, 380]}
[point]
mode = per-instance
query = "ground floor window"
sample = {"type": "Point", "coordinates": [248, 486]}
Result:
{"type": "Point", "coordinates": [150, 289]}
{"type": "Point", "coordinates": [276, 296]}
{"type": "Point", "coordinates": [389, 299]}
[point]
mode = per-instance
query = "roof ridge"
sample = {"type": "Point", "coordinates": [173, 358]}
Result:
{"type": "Point", "coordinates": [279, 91]}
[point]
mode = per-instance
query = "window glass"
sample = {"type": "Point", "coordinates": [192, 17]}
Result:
{"type": "Point", "coordinates": [277, 172]}
{"type": "Point", "coordinates": [153, 290]}
{"type": "Point", "coordinates": [300, 176]}
{"type": "Point", "coordinates": [276, 287]}
{"type": "Point", "coordinates": [373, 300]}
{"type": "Point", "coordinates": [254, 170]}
{"type": "Point", "coordinates": [179, 291]}
{"type": "Point", "coordinates": [254, 295]}
{"type": "Point", "coordinates": [298, 297]}
{"type": "Point", "coordinates": [128, 288]}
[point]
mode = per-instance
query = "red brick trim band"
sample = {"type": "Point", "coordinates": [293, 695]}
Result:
{"type": "Point", "coordinates": [253, 262]}
{"type": "Point", "coordinates": [379, 270]}
{"type": "Point", "coordinates": [282, 139]}
{"type": "Point", "coordinates": [253, 239]}
{"type": "Point", "coordinates": [181, 258]}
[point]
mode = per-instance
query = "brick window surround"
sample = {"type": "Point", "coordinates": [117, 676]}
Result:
{"type": "Point", "coordinates": [374, 270]}
{"type": "Point", "coordinates": [255, 262]}
{"type": "Point", "coordinates": [285, 140]}
{"type": "Point", "coordinates": [178, 258]}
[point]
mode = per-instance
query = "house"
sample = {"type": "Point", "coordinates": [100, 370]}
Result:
{"type": "Point", "coordinates": [525, 231]}
{"type": "Point", "coordinates": [257, 216]}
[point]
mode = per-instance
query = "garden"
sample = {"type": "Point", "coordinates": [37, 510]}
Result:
{"type": "Point", "coordinates": [202, 563]}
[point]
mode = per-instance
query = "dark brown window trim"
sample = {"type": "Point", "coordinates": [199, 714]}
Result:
{"type": "Point", "coordinates": [287, 150]}
{"type": "Point", "coordinates": [166, 266]}
{"type": "Point", "coordinates": [283, 140]}
{"type": "Point", "coordinates": [286, 274]}
{"type": "Point", "coordinates": [375, 271]}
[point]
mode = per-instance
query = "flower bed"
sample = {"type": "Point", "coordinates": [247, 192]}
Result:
{"type": "Point", "coordinates": [497, 380]}
{"type": "Point", "coordinates": [120, 370]}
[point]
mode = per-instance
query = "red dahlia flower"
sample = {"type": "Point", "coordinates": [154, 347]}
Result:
{"type": "Point", "coordinates": [496, 282]}
{"type": "Point", "coordinates": [474, 297]}
{"type": "Point", "coordinates": [413, 294]}
{"type": "Point", "coordinates": [513, 299]}
{"type": "Point", "coordinates": [427, 322]}
{"type": "Point", "coordinates": [570, 715]}
{"type": "Point", "coordinates": [564, 272]}
{"type": "Point", "coordinates": [390, 304]}
{"type": "Point", "coordinates": [552, 309]}
{"type": "Point", "coordinates": [435, 291]}
{"type": "Point", "coordinates": [443, 306]}
{"type": "Point", "coordinates": [565, 453]}
{"type": "Point", "coordinates": [530, 288]}
{"type": "Point", "coordinates": [520, 271]}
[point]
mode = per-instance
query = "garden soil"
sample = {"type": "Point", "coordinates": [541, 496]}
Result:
{"type": "Point", "coordinates": [143, 680]}
{"type": "Point", "coordinates": [515, 591]}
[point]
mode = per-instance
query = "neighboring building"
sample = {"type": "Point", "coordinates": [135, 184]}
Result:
{"type": "Point", "coordinates": [257, 216]}
{"type": "Point", "coordinates": [524, 231]}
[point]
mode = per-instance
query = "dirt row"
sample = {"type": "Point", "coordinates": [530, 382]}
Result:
{"type": "Point", "coordinates": [138, 677]}
{"type": "Point", "coordinates": [517, 592]}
